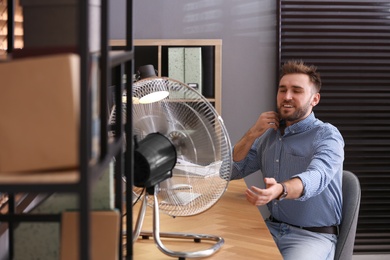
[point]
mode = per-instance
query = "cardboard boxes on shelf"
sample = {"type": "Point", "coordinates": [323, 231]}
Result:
{"type": "Point", "coordinates": [43, 240]}
{"type": "Point", "coordinates": [104, 235]}
{"type": "Point", "coordinates": [39, 111]}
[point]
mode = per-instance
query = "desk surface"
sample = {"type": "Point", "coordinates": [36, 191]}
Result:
{"type": "Point", "coordinates": [232, 218]}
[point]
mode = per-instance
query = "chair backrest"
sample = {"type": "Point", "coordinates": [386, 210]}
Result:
{"type": "Point", "coordinates": [351, 205]}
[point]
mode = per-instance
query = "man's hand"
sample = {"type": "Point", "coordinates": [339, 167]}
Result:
{"type": "Point", "coordinates": [259, 197]}
{"type": "Point", "coordinates": [265, 121]}
{"type": "Point", "coordinates": [273, 190]}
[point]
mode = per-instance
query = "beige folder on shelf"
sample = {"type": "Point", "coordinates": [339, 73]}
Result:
{"type": "Point", "coordinates": [193, 67]}
{"type": "Point", "coordinates": [39, 113]}
{"type": "Point", "coordinates": [185, 65]}
{"type": "Point", "coordinates": [176, 69]}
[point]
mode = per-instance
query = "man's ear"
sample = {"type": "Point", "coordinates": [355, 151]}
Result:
{"type": "Point", "coordinates": [316, 99]}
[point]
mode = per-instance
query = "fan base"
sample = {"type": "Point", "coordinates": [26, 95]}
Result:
{"type": "Point", "coordinates": [156, 234]}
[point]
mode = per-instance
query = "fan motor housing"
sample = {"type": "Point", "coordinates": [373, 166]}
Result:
{"type": "Point", "coordinates": [154, 158]}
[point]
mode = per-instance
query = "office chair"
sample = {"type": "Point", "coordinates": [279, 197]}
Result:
{"type": "Point", "coordinates": [351, 205]}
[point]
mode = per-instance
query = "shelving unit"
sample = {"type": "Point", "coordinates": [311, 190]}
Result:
{"type": "Point", "coordinates": [113, 65]}
{"type": "Point", "coordinates": [155, 52]}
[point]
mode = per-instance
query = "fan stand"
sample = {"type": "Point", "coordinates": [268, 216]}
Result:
{"type": "Point", "coordinates": [157, 234]}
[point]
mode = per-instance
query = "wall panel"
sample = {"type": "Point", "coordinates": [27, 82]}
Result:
{"type": "Point", "coordinates": [349, 41]}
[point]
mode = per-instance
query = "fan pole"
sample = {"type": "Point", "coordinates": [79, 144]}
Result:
{"type": "Point", "coordinates": [140, 219]}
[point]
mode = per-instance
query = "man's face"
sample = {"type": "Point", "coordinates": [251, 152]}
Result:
{"type": "Point", "coordinates": [296, 97]}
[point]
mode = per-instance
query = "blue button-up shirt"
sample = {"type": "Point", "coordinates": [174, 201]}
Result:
{"type": "Point", "coordinates": [310, 150]}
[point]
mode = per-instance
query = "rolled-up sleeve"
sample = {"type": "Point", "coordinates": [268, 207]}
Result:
{"type": "Point", "coordinates": [248, 165]}
{"type": "Point", "coordinates": [326, 163]}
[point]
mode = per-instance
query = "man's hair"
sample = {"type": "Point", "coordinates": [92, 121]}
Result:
{"type": "Point", "coordinates": [298, 66]}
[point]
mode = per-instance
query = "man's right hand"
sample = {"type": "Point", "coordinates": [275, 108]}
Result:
{"type": "Point", "coordinates": [265, 121]}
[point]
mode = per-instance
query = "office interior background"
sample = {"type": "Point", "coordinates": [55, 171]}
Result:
{"type": "Point", "coordinates": [254, 44]}
{"type": "Point", "coordinates": [249, 29]}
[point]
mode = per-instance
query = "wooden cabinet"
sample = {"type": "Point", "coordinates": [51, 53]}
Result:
{"type": "Point", "coordinates": [155, 52]}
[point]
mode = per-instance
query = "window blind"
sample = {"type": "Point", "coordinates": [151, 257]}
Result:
{"type": "Point", "coordinates": [18, 27]}
{"type": "Point", "coordinates": [349, 41]}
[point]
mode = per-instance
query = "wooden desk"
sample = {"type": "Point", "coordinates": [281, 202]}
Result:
{"type": "Point", "coordinates": [232, 217]}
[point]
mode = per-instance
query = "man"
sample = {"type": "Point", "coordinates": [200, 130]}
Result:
{"type": "Point", "coordinates": [301, 159]}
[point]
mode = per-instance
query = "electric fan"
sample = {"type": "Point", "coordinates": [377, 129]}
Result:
{"type": "Point", "coordinates": [182, 157]}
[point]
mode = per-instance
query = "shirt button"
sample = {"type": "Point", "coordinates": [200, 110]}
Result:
{"type": "Point", "coordinates": [280, 139]}
{"type": "Point", "coordinates": [277, 160]}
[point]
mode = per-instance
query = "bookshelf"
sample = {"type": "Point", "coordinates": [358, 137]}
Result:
{"type": "Point", "coordinates": [155, 52]}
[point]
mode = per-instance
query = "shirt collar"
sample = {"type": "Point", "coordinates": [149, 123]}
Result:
{"type": "Point", "coordinates": [301, 126]}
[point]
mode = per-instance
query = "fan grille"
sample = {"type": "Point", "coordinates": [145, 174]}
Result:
{"type": "Point", "coordinates": [203, 167]}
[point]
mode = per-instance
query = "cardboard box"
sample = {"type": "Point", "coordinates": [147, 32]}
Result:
{"type": "Point", "coordinates": [39, 111]}
{"type": "Point", "coordinates": [42, 240]}
{"type": "Point", "coordinates": [104, 235]}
